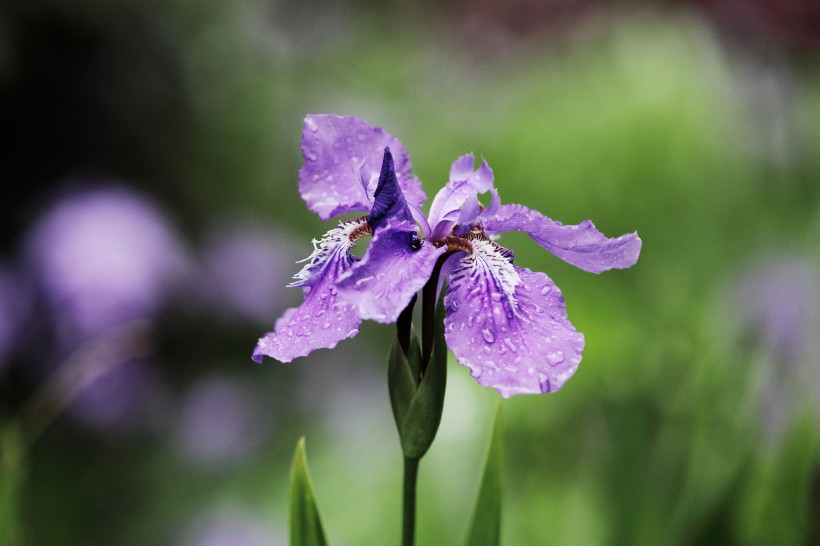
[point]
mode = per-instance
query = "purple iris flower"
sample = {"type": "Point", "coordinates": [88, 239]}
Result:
{"type": "Point", "coordinates": [507, 324]}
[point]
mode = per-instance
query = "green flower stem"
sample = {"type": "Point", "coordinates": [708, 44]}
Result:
{"type": "Point", "coordinates": [428, 312]}
{"type": "Point", "coordinates": [411, 471]}
{"type": "Point", "coordinates": [429, 302]}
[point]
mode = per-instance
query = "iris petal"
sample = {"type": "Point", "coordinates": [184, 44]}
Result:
{"type": "Point", "coordinates": [388, 199]}
{"type": "Point", "coordinates": [509, 325]}
{"type": "Point", "coordinates": [580, 245]}
{"type": "Point", "coordinates": [396, 266]}
{"type": "Point", "coordinates": [322, 320]}
{"type": "Point", "coordinates": [337, 149]}
{"type": "Point", "coordinates": [465, 181]}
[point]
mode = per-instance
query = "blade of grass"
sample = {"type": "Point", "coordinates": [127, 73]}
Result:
{"type": "Point", "coordinates": [305, 523]}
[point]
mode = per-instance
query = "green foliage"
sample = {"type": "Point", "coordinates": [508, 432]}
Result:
{"type": "Point", "coordinates": [417, 405]}
{"type": "Point", "coordinates": [305, 524]}
{"type": "Point", "coordinates": [11, 483]}
{"type": "Point", "coordinates": [485, 525]}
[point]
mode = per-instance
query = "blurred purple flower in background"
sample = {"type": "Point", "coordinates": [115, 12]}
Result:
{"type": "Point", "coordinates": [130, 395]}
{"type": "Point", "coordinates": [506, 323]}
{"type": "Point", "coordinates": [244, 266]}
{"type": "Point", "coordinates": [221, 421]}
{"type": "Point", "coordinates": [779, 300]}
{"type": "Point", "coordinates": [230, 527]}
{"type": "Point", "coordinates": [15, 306]}
{"type": "Point", "coordinates": [103, 257]}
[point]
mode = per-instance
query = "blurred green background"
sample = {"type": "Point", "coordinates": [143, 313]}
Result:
{"type": "Point", "coordinates": [151, 219]}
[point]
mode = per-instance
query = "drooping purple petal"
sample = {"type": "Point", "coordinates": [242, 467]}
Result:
{"type": "Point", "coordinates": [509, 325]}
{"type": "Point", "coordinates": [322, 320]}
{"type": "Point", "coordinates": [388, 200]}
{"type": "Point", "coordinates": [465, 181]}
{"type": "Point", "coordinates": [581, 245]}
{"type": "Point", "coordinates": [396, 265]}
{"type": "Point", "coordinates": [337, 150]}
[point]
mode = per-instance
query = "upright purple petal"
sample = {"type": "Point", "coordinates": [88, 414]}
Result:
{"type": "Point", "coordinates": [322, 320]}
{"type": "Point", "coordinates": [388, 200]}
{"type": "Point", "coordinates": [337, 150]}
{"type": "Point", "coordinates": [509, 325]}
{"type": "Point", "coordinates": [465, 182]}
{"type": "Point", "coordinates": [581, 245]}
{"type": "Point", "coordinates": [396, 265]}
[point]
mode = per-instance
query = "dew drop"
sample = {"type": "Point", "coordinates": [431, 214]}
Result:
{"type": "Point", "coordinates": [310, 123]}
{"type": "Point", "coordinates": [326, 325]}
{"type": "Point", "coordinates": [555, 358]}
{"type": "Point", "coordinates": [546, 290]}
{"type": "Point", "coordinates": [319, 312]}
{"type": "Point", "coordinates": [510, 345]}
{"type": "Point", "coordinates": [323, 295]}
{"type": "Point", "coordinates": [488, 335]}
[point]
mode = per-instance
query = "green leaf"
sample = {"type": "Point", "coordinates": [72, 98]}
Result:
{"type": "Point", "coordinates": [485, 524]}
{"type": "Point", "coordinates": [305, 524]}
{"type": "Point", "coordinates": [402, 377]}
{"type": "Point", "coordinates": [12, 476]}
{"type": "Point", "coordinates": [423, 416]}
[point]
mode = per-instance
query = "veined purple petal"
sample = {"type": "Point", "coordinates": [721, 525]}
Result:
{"type": "Point", "coordinates": [509, 325]}
{"type": "Point", "coordinates": [388, 200]}
{"type": "Point", "coordinates": [581, 245]}
{"type": "Point", "coordinates": [337, 150]}
{"type": "Point", "coordinates": [322, 320]}
{"type": "Point", "coordinates": [463, 168]}
{"type": "Point", "coordinates": [396, 265]}
{"type": "Point", "coordinates": [465, 181]}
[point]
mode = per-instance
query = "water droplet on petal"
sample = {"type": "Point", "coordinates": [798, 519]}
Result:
{"type": "Point", "coordinates": [310, 123]}
{"type": "Point", "coordinates": [555, 358]}
{"type": "Point", "coordinates": [488, 335]}
{"type": "Point", "coordinates": [326, 325]}
{"type": "Point", "coordinates": [510, 345]}
{"type": "Point", "coordinates": [546, 290]}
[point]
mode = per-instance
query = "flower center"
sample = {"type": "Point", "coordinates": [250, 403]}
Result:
{"type": "Point", "coordinates": [361, 230]}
